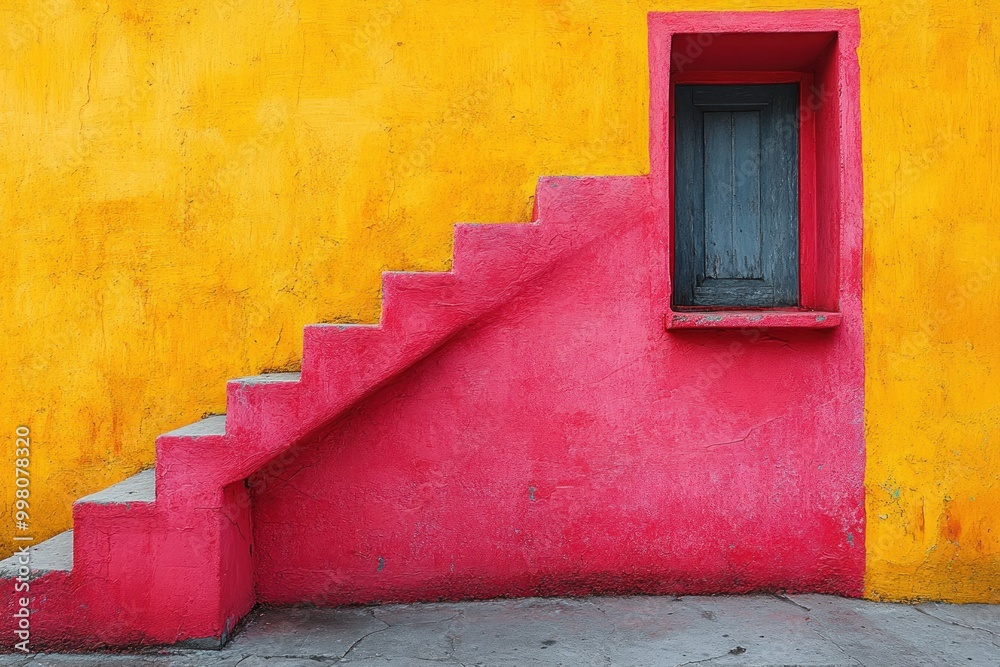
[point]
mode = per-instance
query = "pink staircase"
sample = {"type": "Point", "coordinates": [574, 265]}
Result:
{"type": "Point", "coordinates": [165, 556]}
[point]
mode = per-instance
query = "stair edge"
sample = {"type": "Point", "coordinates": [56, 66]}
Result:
{"type": "Point", "coordinates": [139, 488]}
{"type": "Point", "coordinates": [214, 425]}
{"type": "Point", "coordinates": [52, 555]}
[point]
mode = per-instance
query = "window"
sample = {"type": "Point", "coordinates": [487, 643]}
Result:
{"type": "Point", "coordinates": [742, 251]}
{"type": "Point", "coordinates": [736, 190]}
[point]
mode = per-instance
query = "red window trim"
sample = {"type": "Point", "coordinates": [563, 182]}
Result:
{"type": "Point", "coordinates": [830, 222]}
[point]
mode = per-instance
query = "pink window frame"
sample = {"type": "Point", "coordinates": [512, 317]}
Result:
{"type": "Point", "coordinates": [832, 192]}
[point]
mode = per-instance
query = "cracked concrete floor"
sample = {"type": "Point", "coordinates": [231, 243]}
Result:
{"type": "Point", "coordinates": [757, 630]}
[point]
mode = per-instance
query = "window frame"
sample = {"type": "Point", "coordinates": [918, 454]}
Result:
{"type": "Point", "coordinates": [818, 50]}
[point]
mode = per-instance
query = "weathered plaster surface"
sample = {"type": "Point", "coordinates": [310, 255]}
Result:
{"type": "Point", "coordinates": [185, 186]}
{"type": "Point", "coordinates": [567, 442]}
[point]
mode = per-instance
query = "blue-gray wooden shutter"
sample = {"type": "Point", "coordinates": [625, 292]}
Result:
{"type": "Point", "coordinates": [736, 189]}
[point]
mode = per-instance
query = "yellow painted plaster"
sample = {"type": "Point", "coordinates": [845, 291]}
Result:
{"type": "Point", "coordinates": [186, 184]}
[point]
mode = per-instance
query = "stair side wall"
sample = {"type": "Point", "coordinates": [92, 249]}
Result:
{"type": "Point", "coordinates": [569, 444]}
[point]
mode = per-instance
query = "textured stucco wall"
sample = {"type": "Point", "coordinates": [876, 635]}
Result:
{"type": "Point", "coordinates": [186, 184]}
{"type": "Point", "coordinates": [932, 281]}
{"type": "Point", "coordinates": [566, 443]}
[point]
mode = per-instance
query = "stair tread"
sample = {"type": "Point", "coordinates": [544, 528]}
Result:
{"type": "Point", "coordinates": [214, 425]}
{"type": "Point", "coordinates": [419, 275]}
{"type": "Point", "coordinates": [53, 555]}
{"type": "Point", "coordinates": [139, 488]}
{"type": "Point", "coordinates": [341, 326]}
{"type": "Point", "coordinates": [269, 378]}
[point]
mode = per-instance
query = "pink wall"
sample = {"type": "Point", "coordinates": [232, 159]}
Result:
{"type": "Point", "coordinates": [567, 443]}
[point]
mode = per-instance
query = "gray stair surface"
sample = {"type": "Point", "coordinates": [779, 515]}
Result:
{"type": "Point", "coordinates": [214, 425]}
{"type": "Point", "coordinates": [53, 555]}
{"type": "Point", "coordinates": [139, 488]}
{"type": "Point", "coordinates": [269, 378]}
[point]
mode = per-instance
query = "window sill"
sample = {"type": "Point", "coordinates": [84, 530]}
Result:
{"type": "Point", "coordinates": [752, 319]}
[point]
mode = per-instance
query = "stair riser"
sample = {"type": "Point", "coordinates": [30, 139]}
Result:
{"type": "Point", "coordinates": [190, 471]}
{"type": "Point", "coordinates": [425, 317]}
{"type": "Point", "coordinates": [495, 248]}
{"type": "Point", "coordinates": [135, 569]}
{"type": "Point", "coordinates": [334, 355]}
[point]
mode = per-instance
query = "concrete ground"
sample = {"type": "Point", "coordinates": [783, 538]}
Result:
{"type": "Point", "coordinates": [662, 631]}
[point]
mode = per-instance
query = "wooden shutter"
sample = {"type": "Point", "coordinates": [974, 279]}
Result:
{"type": "Point", "coordinates": [736, 215]}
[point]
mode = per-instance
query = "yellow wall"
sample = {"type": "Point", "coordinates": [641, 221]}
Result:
{"type": "Point", "coordinates": [932, 303]}
{"type": "Point", "coordinates": [186, 184]}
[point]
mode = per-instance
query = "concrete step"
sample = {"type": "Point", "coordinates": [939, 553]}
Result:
{"type": "Point", "coordinates": [139, 488]}
{"type": "Point", "coordinates": [214, 425]}
{"type": "Point", "coordinates": [267, 378]}
{"type": "Point", "coordinates": [795, 631]}
{"type": "Point", "coordinates": [53, 555]}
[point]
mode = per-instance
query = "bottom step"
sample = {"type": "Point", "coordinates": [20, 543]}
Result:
{"type": "Point", "coordinates": [53, 555]}
{"type": "Point", "coordinates": [56, 554]}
